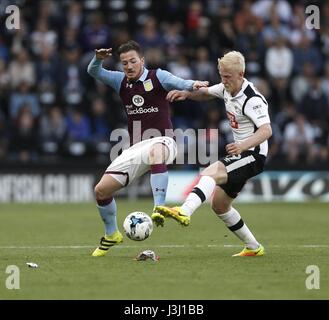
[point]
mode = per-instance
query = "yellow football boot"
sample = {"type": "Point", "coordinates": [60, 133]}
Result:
{"type": "Point", "coordinates": [158, 218]}
{"type": "Point", "coordinates": [260, 251]}
{"type": "Point", "coordinates": [175, 213]}
{"type": "Point", "coordinates": [107, 242]}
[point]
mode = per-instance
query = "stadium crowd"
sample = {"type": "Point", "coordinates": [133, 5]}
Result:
{"type": "Point", "coordinates": [50, 108]}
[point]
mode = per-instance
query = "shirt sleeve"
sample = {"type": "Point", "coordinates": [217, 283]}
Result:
{"type": "Point", "coordinates": [171, 82]}
{"type": "Point", "coordinates": [257, 110]}
{"type": "Point", "coordinates": [111, 78]}
{"type": "Point", "coordinates": [217, 90]}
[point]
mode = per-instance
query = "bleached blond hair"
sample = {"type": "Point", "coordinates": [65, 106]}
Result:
{"type": "Point", "coordinates": [233, 60]}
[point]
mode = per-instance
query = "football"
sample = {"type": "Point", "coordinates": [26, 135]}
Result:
{"type": "Point", "coordinates": [138, 226]}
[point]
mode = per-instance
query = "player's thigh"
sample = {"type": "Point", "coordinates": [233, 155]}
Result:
{"type": "Point", "coordinates": [158, 154]}
{"type": "Point", "coordinates": [161, 150]}
{"type": "Point", "coordinates": [221, 202]}
{"type": "Point", "coordinates": [107, 186]}
{"type": "Point", "coordinates": [217, 171]}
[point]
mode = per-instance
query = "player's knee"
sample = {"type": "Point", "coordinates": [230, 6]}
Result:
{"type": "Point", "coordinates": [220, 176]}
{"type": "Point", "coordinates": [101, 193]}
{"type": "Point", "coordinates": [217, 171]}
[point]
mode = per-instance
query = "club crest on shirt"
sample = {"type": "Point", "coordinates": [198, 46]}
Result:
{"type": "Point", "coordinates": [148, 85]}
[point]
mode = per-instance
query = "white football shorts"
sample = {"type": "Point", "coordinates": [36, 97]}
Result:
{"type": "Point", "coordinates": [134, 161]}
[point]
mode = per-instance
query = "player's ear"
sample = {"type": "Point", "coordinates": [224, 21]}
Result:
{"type": "Point", "coordinates": [142, 60]}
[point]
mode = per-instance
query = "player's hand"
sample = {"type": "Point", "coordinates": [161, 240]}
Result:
{"type": "Point", "coordinates": [103, 53]}
{"type": "Point", "coordinates": [234, 148]}
{"type": "Point", "coordinates": [200, 84]}
{"type": "Point", "coordinates": [176, 95]}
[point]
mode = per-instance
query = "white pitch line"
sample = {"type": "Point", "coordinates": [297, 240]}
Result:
{"type": "Point", "coordinates": [165, 246]}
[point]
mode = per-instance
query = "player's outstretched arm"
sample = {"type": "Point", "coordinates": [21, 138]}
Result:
{"type": "Point", "coordinates": [199, 95]}
{"type": "Point", "coordinates": [95, 69]}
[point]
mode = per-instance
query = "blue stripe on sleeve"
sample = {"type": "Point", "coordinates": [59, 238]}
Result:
{"type": "Point", "coordinates": [111, 78]}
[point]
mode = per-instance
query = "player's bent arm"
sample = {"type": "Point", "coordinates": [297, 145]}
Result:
{"type": "Point", "coordinates": [111, 78]}
{"type": "Point", "coordinates": [171, 82]}
{"type": "Point", "coordinates": [201, 94]}
{"type": "Point", "coordinates": [264, 132]}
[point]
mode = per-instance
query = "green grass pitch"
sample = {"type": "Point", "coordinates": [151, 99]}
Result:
{"type": "Point", "coordinates": [195, 262]}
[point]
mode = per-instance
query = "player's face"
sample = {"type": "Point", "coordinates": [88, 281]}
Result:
{"type": "Point", "coordinates": [231, 79]}
{"type": "Point", "coordinates": [132, 64]}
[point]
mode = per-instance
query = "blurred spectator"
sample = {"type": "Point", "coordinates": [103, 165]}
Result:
{"type": "Point", "coordinates": [305, 52]}
{"type": "Point", "coordinates": [173, 40]}
{"type": "Point", "coordinates": [225, 36]}
{"type": "Point", "coordinates": [24, 97]}
{"type": "Point", "coordinates": [69, 39]}
{"type": "Point", "coordinates": [21, 69]}
{"type": "Point", "coordinates": [52, 131]}
{"type": "Point", "coordinates": [301, 83]}
{"type": "Point", "coordinates": [96, 34]}
{"type": "Point", "coordinates": [154, 58]}
{"type": "Point", "coordinates": [24, 137]}
{"type": "Point", "coordinates": [100, 128]}
{"type": "Point", "coordinates": [298, 140]}
{"type": "Point", "coordinates": [71, 75]}
{"type": "Point", "coordinates": [42, 37]}
{"type": "Point", "coordinates": [279, 59]}
{"type": "Point", "coordinates": [251, 40]}
{"type": "Point", "coordinates": [47, 76]}
{"type": "Point", "coordinates": [280, 94]}
{"type": "Point", "coordinates": [274, 30]}
{"type": "Point", "coordinates": [74, 17]}
{"type": "Point", "coordinates": [314, 104]}
{"type": "Point", "coordinates": [199, 38]}
{"type": "Point", "coordinates": [181, 68]}
{"type": "Point", "coordinates": [202, 67]}
{"type": "Point", "coordinates": [149, 36]}
{"type": "Point", "coordinates": [267, 8]}
{"type": "Point", "coordinates": [194, 16]}
{"type": "Point", "coordinates": [78, 132]}
{"type": "Point", "coordinates": [245, 16]}
{"type": "Point", "coordinates": [287, 114]}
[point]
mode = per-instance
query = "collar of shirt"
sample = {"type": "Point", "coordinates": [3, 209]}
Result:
{"type": "Point", "coordinates": [142, 77]}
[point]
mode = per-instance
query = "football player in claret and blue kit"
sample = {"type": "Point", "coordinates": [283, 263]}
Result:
{"type": "Point", "coordinates": [143, 93]}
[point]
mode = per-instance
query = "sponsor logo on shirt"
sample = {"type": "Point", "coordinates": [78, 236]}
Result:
{"type": "Point", "coordinates": [138, 100]}
{"type": "Point", "coordinates": [258, 109]}
{"type": "Point", "coordinates": [141, 110]}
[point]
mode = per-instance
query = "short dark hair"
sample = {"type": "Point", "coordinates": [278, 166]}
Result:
{"type": "Point", "coordinates": [128, 46]}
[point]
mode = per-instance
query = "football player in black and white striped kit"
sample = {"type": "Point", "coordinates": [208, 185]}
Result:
{"type": "Point", "coordinates": [247, 111]}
